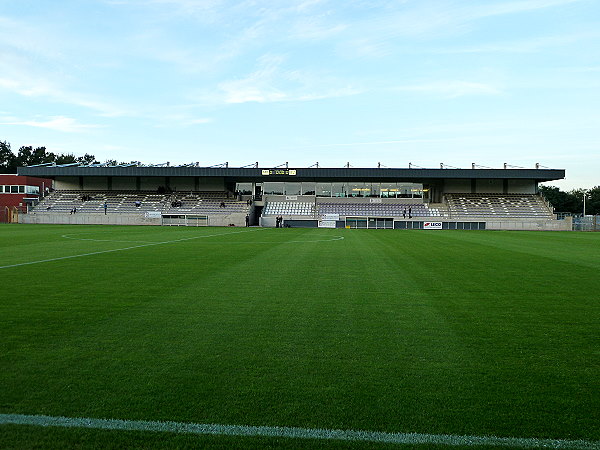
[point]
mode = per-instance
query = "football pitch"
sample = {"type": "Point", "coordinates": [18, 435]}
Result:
{"type": "Point", "coordinates": [298, 338]}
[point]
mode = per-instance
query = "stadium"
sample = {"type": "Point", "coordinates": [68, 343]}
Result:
{"type": "Point", "coordinates": [344, 299]}
{"type": "Point", "coordinates": [351, 327]}
{"type": "Point", "coordinates": [411, 198]}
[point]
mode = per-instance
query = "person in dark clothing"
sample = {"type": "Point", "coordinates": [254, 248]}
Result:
{"type": "Point", "coordinates": [404, 213]}
{"type": "Point", "coordinates": [410, 213]}
{"type": "Point", "coordinates": [105, 207]}
{"type": "Point", "coordinates": [247, 220]}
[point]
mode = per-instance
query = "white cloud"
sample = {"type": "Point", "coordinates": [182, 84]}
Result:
{"type": "Point", "coordinates": [271, 83]}
{"type": "Point", "coordinates": [201, 121]}
{"type": "Point", "coordinates": [452, 89]}
{"type": "Point", "coordinates": [56, 123]}
{"type": "Point", "coordinates": [501, 8]}
{"type": "Point", "coordinates": [527, 45]}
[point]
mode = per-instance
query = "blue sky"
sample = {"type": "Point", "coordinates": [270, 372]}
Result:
{"type": "Point", "coordinates": [421, 81]}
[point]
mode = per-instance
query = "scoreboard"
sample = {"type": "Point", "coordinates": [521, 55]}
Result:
{"type": "Point", "coordinates": [279, 171]}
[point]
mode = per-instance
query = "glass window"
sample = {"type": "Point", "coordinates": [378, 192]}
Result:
{"type": "Point", "coordinates": [6, 189]}
{"type": "Point", "coordinates": [374, 189]}
{"type": "Point", "coordinates": [32, 189]}
{"type": "Point", "coordinates": [356, 222]}
{"type": "Point", "coordinates": [14, 189]}
{"type": "Point", "coordinates": [21, 189]}
{"type": "Point", "coordinates": [1, 188]}
{"type": "Point", "coordinates": [292, 189]}
{"type": "Point", "coordinates": [273, 188]}
{"type": "Point", "coordinates": [356, 189]}
{"type": "Point", "coordinates": [308, 188]}
{"type": "Point", "coordinates": [338, 190]}
{"type": "Point", "coordinates": [323, 189]}
{"type": "Point", "coordinates": [389, 190]}
{"type": "Point", "coordinates": [244, 188]}
{"type": "Point", "coordinates": [408, 190]}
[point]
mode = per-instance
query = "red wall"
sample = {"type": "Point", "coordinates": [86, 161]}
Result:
{"type": "Point", "coordinates": [17, 199]}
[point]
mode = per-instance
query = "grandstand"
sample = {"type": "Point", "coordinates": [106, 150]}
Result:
{"type": "Point", "coordinates": [138, 202]}
{"type": "Point", "coordinates": [521, 206]}
{"type": "Point", "coordinates": [310, 197]}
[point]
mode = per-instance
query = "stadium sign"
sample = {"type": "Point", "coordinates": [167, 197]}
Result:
{"type": "Point", "coordinates": [432, 225]}
{"type": "Point", "coordinates": [279, 171]}
{"type": "Point", "coordinates": [326, 224]}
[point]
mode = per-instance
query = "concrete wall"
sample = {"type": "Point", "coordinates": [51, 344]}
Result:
{"type": "Point", "coordinates": [152, 183]}
{"type": "Point", "coordinates": [69, 183]}
{"type": "Point", "coordinates": [182, 183]}
{"type": "Point", "coordinates": [282, 198]}
{"type": "Point", "coordinates": [88, 219]}
{"type": "Point", "coordinates": [521, 187]}
{"type": "Point", "coordinates": [124, 183]}
{"type": "Point", "coordinates": [210, 184]}
{"type": "Point", "coordinates": [459, 186]}
{"type": "Point", "coordinates": [361, 200]}
{"type": "Point", "coordinates": [95, 183]}
{"type": "Point", "coordinates": [488, 186]}
{"type": "Point", "coordinates": [220, 220]}
{"type": "Point", "coordinates": [530, 225]}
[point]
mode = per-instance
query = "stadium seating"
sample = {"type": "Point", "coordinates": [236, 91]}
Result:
{"type": "Point", "coordinates": [378, 209]}
{"type": "Point", "coordinates": [124, 202]}
{"type": "Point", "coordinates": [518, 206]}
{"type": "Point", "coordinates": [289, 209]}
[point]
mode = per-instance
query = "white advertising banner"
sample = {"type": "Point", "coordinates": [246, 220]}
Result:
{"type": "Point", "coordinates": [330, 217]}
{"type": "Point", "coordinates": [326, 223]}
{"type": "Point", "coordinates": [432, 225]}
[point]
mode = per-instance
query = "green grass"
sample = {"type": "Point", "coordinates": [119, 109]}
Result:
{"type": "Point", "coordinates": [444, 332]}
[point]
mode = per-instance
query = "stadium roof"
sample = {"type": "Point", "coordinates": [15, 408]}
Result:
{"type": "Point", "coordinates": [286, 174]}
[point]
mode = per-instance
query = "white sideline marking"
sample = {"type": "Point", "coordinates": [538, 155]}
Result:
{"type": "Point", "coordinates": [302, 241]}
{"type": "Point", "coordinates": [121, 249]}
{"type": "Point", "coordinates": [292, 432]}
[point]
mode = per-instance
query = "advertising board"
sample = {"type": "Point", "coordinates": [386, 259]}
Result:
{"type": "Point", "coordinates": [432, 225]}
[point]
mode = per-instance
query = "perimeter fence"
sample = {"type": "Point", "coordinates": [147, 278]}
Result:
{"type": "Point", "coordinates": [586, 223]}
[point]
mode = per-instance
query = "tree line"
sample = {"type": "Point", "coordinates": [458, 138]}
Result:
{"type": "Point", "coordinates": [572, 201]}
{"type": "Point", "coordinates": [29, 156]}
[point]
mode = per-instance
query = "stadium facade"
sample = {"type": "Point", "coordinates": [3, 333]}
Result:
{"type": "Point", "coordinates": [17, 192]}
{"type": "Point", "coordinates": [341, 197]}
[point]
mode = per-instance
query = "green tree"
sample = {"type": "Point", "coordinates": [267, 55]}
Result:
{"type": "Point", "coordinates": [560, 200]}
{"type": "Point", "coordinates": [8, 160]}
{"type": "Point", "coordinates": [572, 201]}
{"type": "Point", "coordinates": [29, 156]}
{"type": "Point", "coordinates": [87, 159]}
{"type": "Point", "coordinates": [65, 159]}
{"type": "Point", "coordinates": [592, 202]}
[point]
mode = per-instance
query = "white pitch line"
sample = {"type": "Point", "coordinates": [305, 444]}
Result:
{"type": "Point", "coordinates": [121, 249]}
{"type": "Point", "coordinates": [293, 432]}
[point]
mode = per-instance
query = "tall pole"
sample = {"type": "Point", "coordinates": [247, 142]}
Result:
{"type": "Point", "coordinates": [584, 195]}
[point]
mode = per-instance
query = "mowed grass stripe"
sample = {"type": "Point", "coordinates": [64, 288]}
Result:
{"type": "Point", "coordinates": [384, 330]}
{"type": "Point", "coordinates": [293, 432]}
{"type": "Point", "coordinates": [99, 252]}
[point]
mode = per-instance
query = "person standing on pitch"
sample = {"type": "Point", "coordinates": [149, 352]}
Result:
{"type": "Point", "coordinates": [105, 207]}
{"type": "Point", "coordinates": [247, 220]}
